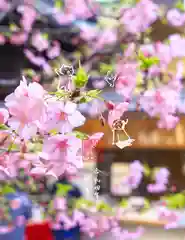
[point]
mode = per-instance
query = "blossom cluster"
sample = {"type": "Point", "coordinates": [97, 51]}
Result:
{"type": "Point", "coordinates": [39, 129]}
{"type": "Point", "coordinates": [123, 44]}
{"type": "Point", "coordinates": [39, 137]}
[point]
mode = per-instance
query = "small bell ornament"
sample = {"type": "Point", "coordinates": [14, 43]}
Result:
{"type": "Point", "coordinates": [119, 126]}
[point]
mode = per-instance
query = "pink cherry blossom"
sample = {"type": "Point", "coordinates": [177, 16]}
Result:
{"type": "Point", "coordinates": [130, 50]}
{"type": "Point", "coordinates": [4, 5]}
{"type": "Point", "coordinates": [133, 17]}
{"type": "Point", "coordinates": [64, 116]}
{"type": "Point", "coordinates": [94, 108]}
{"type": "Point", "coordinates": [89, 226]}
{"type": "Point", "coordinates": [60, 203]}
{"type": "Point", "coordinates": [116, 232]}
{"type": "Point", "coordinates": [160, 50]}
{"type": "Point", "coordinates": [54, 51]}
{"type": "Point", "coordinates": [120, 234]}
{"type": "Point", "coordinates": [64, 18]}
{"type": "Point", "coordinates": [18, 38]}
{"type": "Point", "coordinates": [171, 225]}
{"type": "Point", "coordinates": [176, 82]}
{"type": "Point", "coordinates": [88, 33]}
{"type": "Point", "coordinates": [117, 112]}
{"type": "Point", "coordinates": [28, 17]}
{"type": "Point", "coordinates": [39, 42]}
{"type": "Point", "coordinates": [169, 216]}
{"type": "Point", "coordinates": [4, 115]}
{"type": "Point", "coordinates": [2, 39]}
{"type": "Point", "coordinates": [47, 69]}
{"type": "Point", "coordinates": [8, 167]}
{"type": "Point", "coordinates": [162, 175]}
{"type": "Point", "coordinates": [175, 17]}
{"type": "Point", "coordinates": [24, 120]}
{"type": "Point", "coordinates": [108, 37]}
{"type": "Point", "coordinates": [104, 224]}
{"type": "Point", "coordinates": [68, 222]}
{"type": "Point", "coordinates": [78, 217]}
{"type": "Point", "coordinates": [136, 166]}
{"type": "Point", "coordinates": [135, 175]}
{"type": "Point", "coordinates": [78, 8]}
{"type": "Point", "coordinates": [5, 229]}
{"type": "Point", "coordinates": [47, 169]}
{"type": "Point", "coordinates": [11, 163]}
{"type": "Point", "coordinates": [91, 142]}
{"type": "Point", "coordinates": [74, 161]}
{"type": "Point", "coordinates": [177, 45]}
{"type": "Point", "coordinates": [99, 84]}
{"type": "Point", "coordinates": [156, 188]}
{"type": "Point", "coordinates": [126, 81]}
{"type": "Point", "coordinates": [168, 121]}
{"type": "Point", "coordinates": [163, 52]}
{"type": "Point", "coordinates": [56, 226]}
{"type": "Point", "coordinates": [159, 102]}
{"type": "Point", "coordinates": [38, 61]}
{"type": "Point", "coordinates": [59, 147]}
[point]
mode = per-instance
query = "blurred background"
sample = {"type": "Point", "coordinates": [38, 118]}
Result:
{"type": "Point", "coordinates": [58, 36]}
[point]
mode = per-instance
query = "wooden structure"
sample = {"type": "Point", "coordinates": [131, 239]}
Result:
{"type": "Point", "coordinates": [156, 147]}
{"type": "Point", "coordinates": [145, 133]}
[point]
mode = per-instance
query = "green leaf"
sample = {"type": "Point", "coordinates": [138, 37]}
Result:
{"type": "Point", "coordinates": [167, 41]}
{"type": "Point", "coordinates": [123, 203]}
{"type": "Point", "coordinates": [154, 171]}
{"type": "Point", "coordinates": [60, 93]}
{"type": "Point", "coordinates": [180, 5]}
{"type": "Point", "coordinates": [77, 54]}
{"type": "Point", "coordinates": [45, 36]}
{"type": "Point", "coordinates": [147, 170]}
{"type": "Point", "coordinates": [63, 189]}
{"type": "Point", "coordinates": [90, 95]}
{"type": "Point", "coordinates": [93, 93]}
{"type": "Point", "coordinates": [103, 207]}
{"type": "Point", "coordinates": [81, 78]}
{"type": "Point", "coordinates": [105, 68]}
{"type": "Point", "coordinates": [35, 147]}
{"type": "Point", "coordinates": [20, 184]}
{"type": "Point", "coordinates": [81, 135]}
{"type": "Point", "coordinates": [146, 204]}
{"type": "Point", "coordinates": [154, 60]}
{"type": "Point", "coordinates": [141, 56]}
{"type": "Point", "coordinates": [59, 4]}
{"type": "Point", "coordinates": [129, 2]}
{"type": "Point", "coordinates": [104, 22]}
{"type": "Point", "coordinates": [147, 62]}
{"type": "Point", "coordinates": [176, 201]}
{"type": "Point", "coordinates": [14, 147]}
{"type": "Point", "coordinates": [83, 203]}
{"type": "Point", "coordinates": [3, 127]}
{"type": "Point", "coordinates": [7, 190]}
{"type": "Point", "coordinates": [29, 72]}
{"type": "Point", "coordinates": [54, 132]}
{"type": "Point", "coordinates": [85, 99]}
{"type": "Point", "coordinates": [13, 27]}
{"type": "Point", "coordinates": [7, 34]}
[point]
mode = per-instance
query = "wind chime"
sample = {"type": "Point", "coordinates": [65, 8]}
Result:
{"type": "Point", "coordinates": [117, 127]}
{"type": "Point", "coordinates": [67, 72]}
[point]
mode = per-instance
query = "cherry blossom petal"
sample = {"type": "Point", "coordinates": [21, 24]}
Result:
{"type": "Point", "coordinates": [77, 119]}
{"type": "Point", "coordinates": [4, 115]}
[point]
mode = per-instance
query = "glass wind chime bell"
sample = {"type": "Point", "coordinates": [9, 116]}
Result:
{"type": "Point", "coordinates": [118, 127]}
